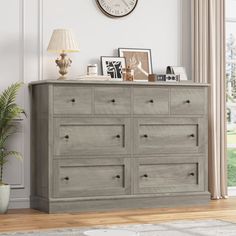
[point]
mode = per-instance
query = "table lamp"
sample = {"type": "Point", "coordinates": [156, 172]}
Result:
{"type": "Point", "coordinates": [63, 41]}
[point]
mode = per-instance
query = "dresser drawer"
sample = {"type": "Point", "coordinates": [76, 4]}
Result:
{"type": "Point", "coordinates": [92, 136]}
{"type": "Point", "coordinates": [169, 135]}
{"type": "Point", "coordinates": [151, 101]}
{"type": "Point", "coordinates": [188, 101]}
{"type": "Point", "coordinates": [112, 100]}
{"type": "Point", "coordinates": [72, 100]}
{"type": "Point", "coordinates": [166, 175]}
{"type": "Point", "coordinates": [90, 177]}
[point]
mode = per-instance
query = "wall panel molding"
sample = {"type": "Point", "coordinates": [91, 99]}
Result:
{"type": "Point", "coordinates": [40, 28]}
{"type": "Point", "coordinates": [21, 39]}
{"type": "Point", "coordinates": [15, 169]}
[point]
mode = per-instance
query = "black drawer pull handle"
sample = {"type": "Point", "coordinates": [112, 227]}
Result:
{"type": "Point", "coordinates": [117, 136]}
{"type": "Point", "coordinates": [118, 177]}
{"type": "Point", "coordinates": [192, 135]}
{"type": "Point", "coordinates": [145, 176]}
{"type": "Point", "coordinates": [151, 101]}
{"type": "Point", "coordinates": [67, 137]}
{"type": "Point", "coordinates": [72, 100]}
{"type": "Point", "coordinates": [66, 178]}
{"type": "Point", "coordinates": [188, 101]}
{"type": "Point", "coordinates": [113, 100]}
{"type": "Point", "coordinates": [145, 136]}
{"type": "Point", "coordinates": [192, 174]}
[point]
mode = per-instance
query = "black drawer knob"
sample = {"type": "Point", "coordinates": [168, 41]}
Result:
{"type": "Point", "coordinates": [151, 101]}
{"type": "Point", "coordinates": [113, 100]}
{"type": "Point", "coordinates": [192, 174]}
{"type": "Point", "coordinates": [188, 101]}
{"type": "Point", "coordinates": [66, 178]}
{"type": "Point", "coordinates": [72, 100]}
{"type": "Point", "coordinates": [145, 175]}
{"type": "Point", "coordinates": [145, 136]}
{"type": "Point", "coordinates": [192, 135]}
{"type": "Point", "coordinates": [118, 177]}
{"type": "Point", "coordinates": [67, 137]}
{"type": "Point", "coordinates": [117, 136]}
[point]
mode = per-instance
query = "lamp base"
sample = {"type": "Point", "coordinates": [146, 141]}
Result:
{"type": "Point", "coordinates": [63, 63]}
{"type": "Point", "coordinates": [62, 78]}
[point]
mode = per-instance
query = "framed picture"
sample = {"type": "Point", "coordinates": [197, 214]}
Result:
{"type": "Point", "coordinates": [140, 60]}
{"type": "Point", "coordinates": [113, 66]}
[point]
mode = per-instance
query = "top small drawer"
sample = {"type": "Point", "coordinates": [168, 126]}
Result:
{"type": "Point", "coordinates": [72, 100]}
{"type": "Point", "coordinates": [151, 101]}
{"type": "Point", "coordinates": [188, 101]}
{"type": "Point", "coordinates": [112, 100]}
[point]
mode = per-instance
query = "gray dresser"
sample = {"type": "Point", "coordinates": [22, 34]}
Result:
{"type": "Point", "coordinates": [113, 145]}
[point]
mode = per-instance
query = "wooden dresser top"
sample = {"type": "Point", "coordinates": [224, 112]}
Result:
{"type": "Point", "coordinates": [113, 82]}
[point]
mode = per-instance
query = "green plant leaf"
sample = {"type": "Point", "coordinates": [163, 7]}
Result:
{"type": "Point", "coordinates": [9, 111]}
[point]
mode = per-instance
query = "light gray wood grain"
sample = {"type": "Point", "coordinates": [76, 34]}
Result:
{"type": "Point", "coordinates": [112, 100]}
{"type": "Point", "coordinates": [89, 154]}
{"type": "Point", "coordinates": [91, 177]}
{"type": "Point", "coordinates": [165, 175]}
{"type": "Point", "coordinates": [121, 202]}
{"type": "Point", "coordinates": [151, 101]}
{"type": "Point", "coordinates": [119, 83]}
{"type": "Point", "coordinates": [189, 101]}
{"type": "Point", "coordinates": [80, 136]}
{"type": "Point", "coordinates": [169, 135]}
{"type": "Point", "coordinates": [72, 100]}
{"type": "Point", "coordinates": [40, 141]}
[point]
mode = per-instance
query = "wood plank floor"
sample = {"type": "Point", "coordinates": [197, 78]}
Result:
{"type": "Point", "coordinates": [28, 219]}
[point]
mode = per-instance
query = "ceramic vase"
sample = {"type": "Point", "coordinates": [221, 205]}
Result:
{"type": "Point", "coordinates": [4, 198]}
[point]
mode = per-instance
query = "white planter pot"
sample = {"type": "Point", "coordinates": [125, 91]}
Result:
{"type": "Point", "coordinates": [4, 198]}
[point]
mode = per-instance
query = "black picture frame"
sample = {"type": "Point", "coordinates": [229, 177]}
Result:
{"type": "Point", "coordinates": [113, 66]}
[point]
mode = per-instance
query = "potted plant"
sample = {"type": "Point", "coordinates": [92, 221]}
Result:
{"type": "Point", "coordinates": [9, 111]}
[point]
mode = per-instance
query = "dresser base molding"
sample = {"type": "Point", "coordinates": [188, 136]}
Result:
{"type": "Point", "coordinates": [106, 204]}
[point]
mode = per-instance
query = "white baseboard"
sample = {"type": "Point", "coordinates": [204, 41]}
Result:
{"type": "Point", "coordinates": [17, 203]}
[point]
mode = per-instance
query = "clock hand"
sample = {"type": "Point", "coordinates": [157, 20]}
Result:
{"type": "Point", "coordinates": [125, 3]}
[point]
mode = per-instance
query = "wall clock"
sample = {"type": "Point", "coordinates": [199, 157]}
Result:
{"type": "Point", "coordinates": [117, 8]}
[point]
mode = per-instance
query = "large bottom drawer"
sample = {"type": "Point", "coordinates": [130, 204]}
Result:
{"type": "Point", "coordinates": [90, 177]}
{"type": "Point", "coordinates": [168, 175]}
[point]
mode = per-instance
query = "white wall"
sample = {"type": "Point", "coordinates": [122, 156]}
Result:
{"type": "Point", "coordinates": [25, 30]}
{"type": "Point", "coordinates": [155, 24]}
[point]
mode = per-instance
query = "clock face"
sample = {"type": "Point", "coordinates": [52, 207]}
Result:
{"type": "Point", "coordinates": [117, 8]}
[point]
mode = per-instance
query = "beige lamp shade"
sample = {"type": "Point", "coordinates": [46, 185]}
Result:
{"type": "Point", "coordinates": [63, 40]}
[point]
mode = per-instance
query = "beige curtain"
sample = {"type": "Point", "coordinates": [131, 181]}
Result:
{"type": "Point", "coordinates": [208, 60]}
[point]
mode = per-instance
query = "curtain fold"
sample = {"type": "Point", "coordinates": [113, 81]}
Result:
{"type": "Point", "coordinates": [208, 66]}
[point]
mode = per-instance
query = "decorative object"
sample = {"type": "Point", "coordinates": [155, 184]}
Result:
{"type": "Point", "coordinates": [118, 8]}
{"type": "Point", "coordinates": [172, 78]}
{"type": "Point", "coordinates": [113, 66]}
{"type": "Point", "coordinates": [92, 70]}
{"type": "Point", "coordinates": [155, 77]}
{"type": "Point", "coordinates": [9, 111]}
{"type": "Point", "coordinates": [95, 77]}
{"type": "Point", "coordinates": [204, 227]}
{"type": "Point", "coordinates": [163, 78]}
{"type": "Point", "coordinates": [163, 127]}
{"type": "Point", "coordinates": [177, 70]}
{"type": "Point", "coordinates": [139, 60]}
{"type": "Point", "coordinates": [128, 74]}
{"type": "Point", "coordinates": [4, 197]}
{"type": "Point", "coordinates": [63, 41]}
